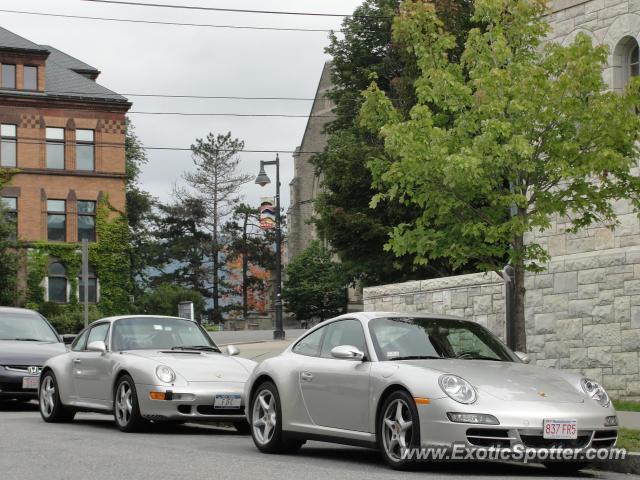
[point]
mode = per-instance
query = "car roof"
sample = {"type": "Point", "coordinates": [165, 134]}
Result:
{"type": "Point", "coordinates": [366, 316]}
{"type": "Point", "coordinates": [124, 317]}
{"type": "Point", "coordinates": [18, 310]}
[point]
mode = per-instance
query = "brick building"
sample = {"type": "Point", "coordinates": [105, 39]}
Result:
{"type": "Point", "coordinates": [65, 135]}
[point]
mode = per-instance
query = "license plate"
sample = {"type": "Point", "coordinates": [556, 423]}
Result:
{"type": "Point", "coordinates": [30, 383]}
{"type": "Point", "coordinates": [560, 429]}
{"type": "Point", "coordinates": [227, 401]}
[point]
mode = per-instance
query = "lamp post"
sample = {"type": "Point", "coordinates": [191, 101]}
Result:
{"type": "Point", "coordinates": [263, 179]}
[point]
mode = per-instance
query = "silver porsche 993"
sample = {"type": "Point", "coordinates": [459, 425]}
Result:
{"type": "Point", "coordinates": [396, 382]}
{"type": "Point", "coordinates": [145, 368]}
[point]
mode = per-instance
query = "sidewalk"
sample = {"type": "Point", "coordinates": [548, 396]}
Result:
{"type": "Point", "coordinates": [629, 420]}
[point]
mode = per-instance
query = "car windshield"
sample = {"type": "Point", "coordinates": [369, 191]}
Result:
{"type": "Point", "coordinates": [152, 333]}
{"type": "Point", "coordinates": [26, 327]}
{"type": "Point", "coordinates": [422, 338]}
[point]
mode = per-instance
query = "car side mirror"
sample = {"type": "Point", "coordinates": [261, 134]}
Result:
{"type": "Point", "coordinates": [232, 350]}
{"type": "Point", "coordinates": [347, 352]}
{"type": "Point", "coordinates": [68, 338]}
{"type": "Point", "coordinates": [524, 358]}
{"type": "Point", "coordinates": [97, 346]}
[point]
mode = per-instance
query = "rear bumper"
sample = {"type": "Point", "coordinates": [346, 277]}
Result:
{"type": "Point", "coordinates": [11, 385]}
{"type": "Point", "coordinates": [193, 403]}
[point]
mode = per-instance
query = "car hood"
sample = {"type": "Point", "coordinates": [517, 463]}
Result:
{"type": "Point", "coordinates": [510, 381]}
{"type": "Point", "coordinates": [16, 352]}
{"type": "Point", "coordinates": [201, 367]}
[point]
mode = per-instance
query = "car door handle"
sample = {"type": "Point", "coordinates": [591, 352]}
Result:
{"type": "Point", "coordinates": [77, 360]}
{"type": "Point", "coordinates": [306, 376]}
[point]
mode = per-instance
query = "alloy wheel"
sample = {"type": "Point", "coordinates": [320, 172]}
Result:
{"type": "Point", "coordinates": [124, 405]}
{"type": "Point", "coordinates": [397, 427]}
{"type": "Point", "coordinates": [47, 396]}
{"type": "Point", "coordinates": [264, 417]}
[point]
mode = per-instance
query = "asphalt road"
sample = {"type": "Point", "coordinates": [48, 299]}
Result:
{"type": "Point", "coordinates": [92, 448]}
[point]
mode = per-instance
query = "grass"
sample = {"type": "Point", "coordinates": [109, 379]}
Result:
{"type": "Point", "coordinates": [629, 439]}
{"type": "Point", "coordinates": [626, 406]}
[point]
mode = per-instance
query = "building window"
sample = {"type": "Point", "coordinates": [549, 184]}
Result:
{"type": "Point", "coordinates": [55, 148]}
{"type": "Point", "coordinates": [56, 220]}
{"type": "Point", "coordinates": [84, 150]}
{"type": "Point", "coordinates": [634, 61]}
{"type": "Point", "coordinates": [57, 283]}
{"type": "Point", "coordinates": [30, 77]}
{"type": "Point", "coordinates": [86, 220]}
{"type": "Point", "coordinates": [8, 76]}
{"type": "Point", "coordinates": [10, 205]}
{"type": "Point", "coordinates": [8, 146]}
{"type": "Point", "coordinates": [93, 287]}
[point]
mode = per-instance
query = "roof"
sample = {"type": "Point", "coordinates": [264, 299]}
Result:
{"type": "Point", "coordinates": [11, 41]}
{"type": "Point", "coordinates": [20, 311]}
{"type": "Point", "coordinates": [125, 317]}
{"type": "Point", "coordinates": [67, 61]}
{"type": "Point", "coordinates": [64, 73]}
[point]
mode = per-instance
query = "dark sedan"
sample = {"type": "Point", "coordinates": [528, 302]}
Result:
{"type": "Point", "coordinates": [27, 340]}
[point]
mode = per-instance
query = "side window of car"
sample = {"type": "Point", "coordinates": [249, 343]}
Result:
{"type": "Point", "coordinates": [98, 333]}
{"type": "Point", "coordinates": [310, 345]}
{"type": "Point", "coordinates": [343, 332]}
{"type": "Point", "coordinates": [80, 343]}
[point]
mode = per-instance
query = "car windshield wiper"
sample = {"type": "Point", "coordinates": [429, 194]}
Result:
{"type": "Point", "coordinates": [480, 357]}
{"type": "Point", "coordinates": [25, 339]}
{"type": "Point", "coordinates": [417, 357]}
{"type": "Point", "coordinates": [205, 348]}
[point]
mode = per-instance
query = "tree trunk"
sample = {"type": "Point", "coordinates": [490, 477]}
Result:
{"type": "Point", "coordinates": [519, 326]}
{"type": "Point", "coordinates": [245, 268]}
{"type": "Point", "coordinates": [216, 260]}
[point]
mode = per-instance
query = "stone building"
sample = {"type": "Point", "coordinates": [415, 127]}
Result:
{"type": "Point", "coordinates": [305, 185]}
{"type": "Point", "coordinates": [583, 312]}
{"type": "Point", "coordinates": [65, 134]}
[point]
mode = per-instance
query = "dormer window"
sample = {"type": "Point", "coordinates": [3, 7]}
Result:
{"type": "Point", "coordinates": [30, 77]}
{"type": "Point", "coordinates": [8, 76]}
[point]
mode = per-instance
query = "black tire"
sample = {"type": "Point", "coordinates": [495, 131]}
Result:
{"type": "Point", "coordinates": [126, 410]}
{"type": "Point", "coordinates": [389, 439]}
{"type": "Point", "coordinates": [565, 468]}
{"type": "Point", "coordinates": [242, 427]}
{"type": "Point", "coordinates": [275, 441]}
{"type": "Point", "coordinates": [51, 408]}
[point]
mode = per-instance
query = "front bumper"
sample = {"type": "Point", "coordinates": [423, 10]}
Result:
{"type": "Point", "coordinates": [520, 425]}
{"type": "Point", "coordinates": [11, 383]}
{"type": "Point", "coordinates": [192, 403]}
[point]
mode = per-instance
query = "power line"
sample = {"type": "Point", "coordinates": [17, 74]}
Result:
{"type": "Point", "coordinates": [258, 115]}
{"type": "Point", "coordinates": [177, 149]}
{"type": "Point", "coordinates": [200, 97]}
{"type": "Point", "coordinates": [234, 10]}
{"type": "Point", "coordinates": [158, 22]}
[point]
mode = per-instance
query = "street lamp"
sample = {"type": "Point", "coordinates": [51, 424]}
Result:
{"type": "Point", "coordinates": [263, 179]}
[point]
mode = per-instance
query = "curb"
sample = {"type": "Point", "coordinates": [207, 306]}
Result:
{"type": "Point", "coordinates": [630, 464]}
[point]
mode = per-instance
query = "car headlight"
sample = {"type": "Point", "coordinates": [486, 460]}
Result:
{"type": "Point", "coordinates": [457, 388]}
{"type": "Point", "coordinates": [165, 374]}
{"type": "Point", "coordinates": [595, 392]}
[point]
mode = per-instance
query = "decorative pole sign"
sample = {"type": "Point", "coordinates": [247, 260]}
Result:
{"type": "Point", "coordinates": [267, 214]}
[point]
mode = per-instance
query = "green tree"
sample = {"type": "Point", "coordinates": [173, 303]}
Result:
{"type": "Point", "coordinates": [164, 300]}
{"type": "Point", "coordinates": [215, 184]}
{"type": "Point", "coordinates": [519, 125]}
{"type": "Point", "coordinates": [345, 220]}
{"type": "Point", "coordinates": [315, 285]}
{"type": "Point", "coordinates": [8, 254]}
{"type": "Point", "coordinates": [139, 209]}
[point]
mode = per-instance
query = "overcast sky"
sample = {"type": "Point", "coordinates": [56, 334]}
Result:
{"type": "Point", "coordinates": [135, 58]}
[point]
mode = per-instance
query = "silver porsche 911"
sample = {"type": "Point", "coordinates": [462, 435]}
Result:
{"type": "Point", "coordinates": [143, 368]}
{"type": "Point", "coordinates": [397, 382]}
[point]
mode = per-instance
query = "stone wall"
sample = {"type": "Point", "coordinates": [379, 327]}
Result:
{"type": "Point", "coordinates": [478, 297]}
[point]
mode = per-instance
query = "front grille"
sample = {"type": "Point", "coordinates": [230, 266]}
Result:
{"type": "Point", "coordinates": [6, 387]}
{"type": "Point", "coordinates": [537, 441]}
{"type": "Point", "coordinates": [184, 409]}
{"type": "Point", "coordinates": [489, 437]}
{"type": "Point", "coordinates": [23, 369]}
{"type": "Point", "coordinates": [604, 438]}
{"type": "Point", "coordinates": [209, 410]}
{"type": "Point", "coordinates": [156, 418]}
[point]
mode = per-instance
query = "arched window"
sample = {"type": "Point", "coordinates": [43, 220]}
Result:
{"type": "Point", "coordinates": [57, 283]}
{"type": "Point", "coordinates": [93, 287]}
{"type": "Point", "coordinates": [626, 63]}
